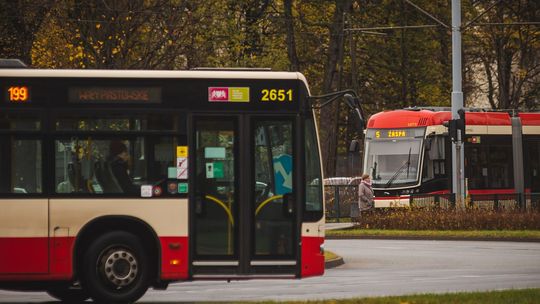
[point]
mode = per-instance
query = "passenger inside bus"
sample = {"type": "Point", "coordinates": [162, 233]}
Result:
{"type": "Point", "coordinates": [118, 162]}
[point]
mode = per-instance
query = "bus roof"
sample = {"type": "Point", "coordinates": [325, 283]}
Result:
{"type": "Point", "coordinates": [231, 74]}
{"type": "Point", "coordinates": [200, 74]}
{"type": "Point", "coordinates": [422, 118]}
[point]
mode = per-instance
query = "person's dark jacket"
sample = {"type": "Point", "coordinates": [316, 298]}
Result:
{"type": "Point", "coordinates": [119, 169]}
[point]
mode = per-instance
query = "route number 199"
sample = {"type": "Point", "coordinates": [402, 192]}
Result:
{"type": "Point", "coordinates": [18, 94]}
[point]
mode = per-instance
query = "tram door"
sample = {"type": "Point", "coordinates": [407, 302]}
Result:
{"type": "Point", "coordinates": [534, 165]}
{"type": "Point", "coordinates": [244, 209]}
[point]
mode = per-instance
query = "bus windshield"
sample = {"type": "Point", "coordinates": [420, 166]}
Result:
{"type": "Point", "coordinates": [393, 163]}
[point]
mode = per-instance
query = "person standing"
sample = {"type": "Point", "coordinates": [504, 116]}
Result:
{"type": "Point", "coordinates": [365, 194]}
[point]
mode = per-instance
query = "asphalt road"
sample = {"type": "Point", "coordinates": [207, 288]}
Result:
{"type": "Point", "coordinates": [373, 268]}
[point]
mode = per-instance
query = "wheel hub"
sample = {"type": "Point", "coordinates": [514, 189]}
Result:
{"type": "Point", "coordinates": [120, 267]}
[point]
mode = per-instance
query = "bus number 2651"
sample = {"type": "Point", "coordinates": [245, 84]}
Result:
{"type": "Point", "coordinates": [277, 95]}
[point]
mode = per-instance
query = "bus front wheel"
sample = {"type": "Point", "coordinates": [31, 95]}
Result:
{"type": "Point", "coordinates": [115, 268]}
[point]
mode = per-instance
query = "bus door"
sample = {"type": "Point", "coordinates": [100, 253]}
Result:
{"type": "Point", "coordinates": [243, 218]}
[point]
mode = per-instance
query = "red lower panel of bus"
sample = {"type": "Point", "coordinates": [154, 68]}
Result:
{"type": "Point", "coordinates": [28, 258]}
{"type": "Point", "coordinates": [174, 258]}
{"type": "Point", "coordinates": [312, 257]}
{"type": "Point", "coordinates": [24, 256]}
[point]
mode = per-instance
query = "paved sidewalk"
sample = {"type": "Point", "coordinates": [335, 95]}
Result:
{"type": "Point", "coordinates": [331, 226]}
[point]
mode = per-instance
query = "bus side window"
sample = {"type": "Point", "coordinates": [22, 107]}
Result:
{"type": "Point", "coordinates": [21, 164]}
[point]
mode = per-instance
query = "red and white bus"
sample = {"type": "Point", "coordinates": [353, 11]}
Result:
{"type": "Point", "coordinates": [112, 181]}
{"type": "Point", "coordinates": [408, 152]}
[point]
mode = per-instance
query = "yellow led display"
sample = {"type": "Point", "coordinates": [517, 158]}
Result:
{"type": "Point", "coordinates": [397, 133]}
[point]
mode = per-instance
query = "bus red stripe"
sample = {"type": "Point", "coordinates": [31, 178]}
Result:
{"type": "Point", "coordinates": [28, 258]}
{"type": "Point", "coordinates": [174, 258]}
{"type": "Point", "coordinates": [312, 257]}
{"type": "Point", "coordinates": [23, 255]}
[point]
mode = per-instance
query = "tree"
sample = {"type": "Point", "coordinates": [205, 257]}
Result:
{"type": "Point", "coordinates": [508, 53]}
{"type": "Point", "coordinates": [291, 41]}
{"type": "Point", "coordinates": [19, 23]}
{"type": "Point", "coordinates": [115, 34]}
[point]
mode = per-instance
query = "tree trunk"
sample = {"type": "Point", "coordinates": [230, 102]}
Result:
{"type": "Point", "coordinates": [504, 71]}
{"type": "Point", "coordinates": [330, 114]}
{"type": "Point", "coordinates": [489, 77]}
{"type": "Point", "coordinates": [291, 42]}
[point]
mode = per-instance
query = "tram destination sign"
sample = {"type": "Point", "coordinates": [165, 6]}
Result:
{"type": "Point", "coordinates": [393, 133]}
{"type": "Point", "coordinates": [115, 95]}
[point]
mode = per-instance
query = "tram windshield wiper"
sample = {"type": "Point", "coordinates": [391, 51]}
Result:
{"type": "Point", "coordinates": [406, 164]}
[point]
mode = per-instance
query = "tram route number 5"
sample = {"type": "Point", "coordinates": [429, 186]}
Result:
{"type": "Point", "coordinates": [277, 95]}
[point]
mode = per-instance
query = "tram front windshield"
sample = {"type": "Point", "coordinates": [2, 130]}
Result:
{"type": "Point", "coordinates": [393, 162]}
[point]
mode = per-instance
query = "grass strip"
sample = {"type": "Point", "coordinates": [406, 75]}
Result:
{"type": "Point", "coordinates": [329, 255]}
{"type": "Point", "coordinates": [460, 234]}
{"type": "Point", "coordinates": [515, 296]}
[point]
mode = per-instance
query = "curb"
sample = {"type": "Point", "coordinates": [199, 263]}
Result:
{"type": "Point", "coordinates": [334, 263]}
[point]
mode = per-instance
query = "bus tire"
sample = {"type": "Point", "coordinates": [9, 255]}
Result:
{"type": "Point", "coordinates": [115, 268]}
{"type": "Point", "coordinates": [68, 293]}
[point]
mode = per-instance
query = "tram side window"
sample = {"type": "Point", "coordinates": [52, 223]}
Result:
{"type": "Point", "coordinates": [489, 166]}
{"type": "Point", "coordinates": [434, 159]}
{"type": "Point", "coordinates": [20, 166]}
{"type": "Point", "coordinates": [113, 166]}
{"type": "Point", "coordinates": [532, 165]}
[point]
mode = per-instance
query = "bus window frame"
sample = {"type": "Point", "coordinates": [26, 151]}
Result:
{"type": "Point", "coordinates": [88, 111]}
{"type": "Point", "coordinates": [39, 134]}
{"type": "Point", "coordinates": [311, 216]}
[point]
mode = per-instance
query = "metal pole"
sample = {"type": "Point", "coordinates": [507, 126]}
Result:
{"type": "Point", "coordinates": [517, 156]}
{"type": "Point", "coordinates": [457, 102]}
{"type": "Point", "coordinates": [336, 201]}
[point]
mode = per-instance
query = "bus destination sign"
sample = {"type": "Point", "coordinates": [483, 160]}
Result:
{"type": "Point", "coordinates": [115, 95]}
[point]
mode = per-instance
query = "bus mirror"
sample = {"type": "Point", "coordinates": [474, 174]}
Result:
{"type": "Point", "coordinates": [354, 103]}
{"type": "Point", "coordinates": [350, 100]}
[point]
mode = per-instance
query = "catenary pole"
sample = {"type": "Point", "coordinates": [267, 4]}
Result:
{"type": "Point", "coordinates": [458, 182]}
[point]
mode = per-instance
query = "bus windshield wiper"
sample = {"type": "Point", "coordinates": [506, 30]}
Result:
{"type": "Point", "coordinates": [406, 164]}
